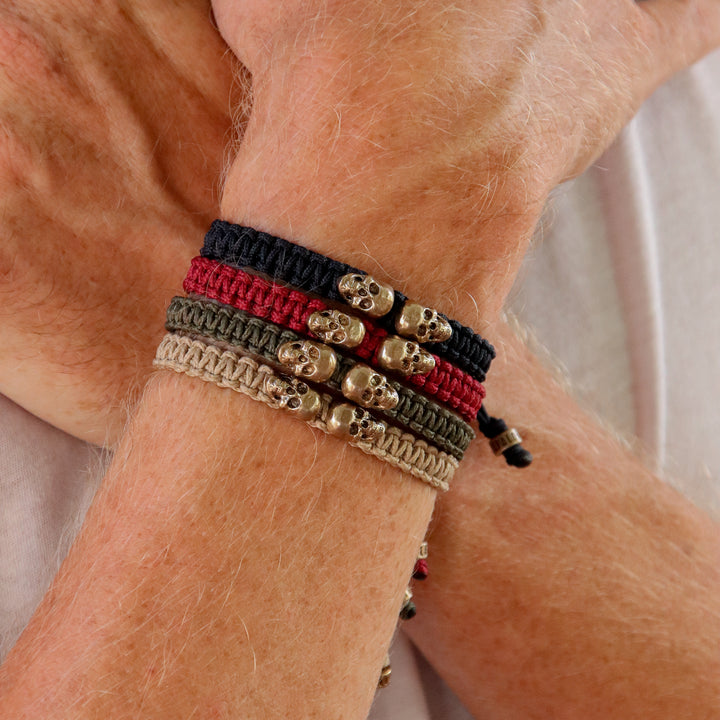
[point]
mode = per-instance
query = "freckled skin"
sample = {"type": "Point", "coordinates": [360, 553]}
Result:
{"type": "Point", "coordinates": [231, 550]}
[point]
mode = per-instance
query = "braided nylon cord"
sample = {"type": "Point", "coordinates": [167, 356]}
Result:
{"type": "Point", "coordinates": [291, 309]}
{"type": "Point", "coordinates": [248, 377]}
{"type": "Point", "coordinates": [312, 272]}
{"type": "Point", "coordinates": [258, 337]}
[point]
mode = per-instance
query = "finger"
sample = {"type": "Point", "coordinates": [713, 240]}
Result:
{"type": "Point", "coordinates": [680, 32]}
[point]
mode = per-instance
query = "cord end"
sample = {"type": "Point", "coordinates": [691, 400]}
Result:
{"type": "Point", "coordinates": [517, 456]}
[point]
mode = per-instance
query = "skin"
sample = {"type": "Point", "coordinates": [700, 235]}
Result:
{"type": "Point", "coordinates": [474, 109]}
{"type": "Point", "coordinates": [320, 169]}
{"type": "Point", "coordinates": [85, 194]}
{"type": "Point", "coordinates": [581, 587]}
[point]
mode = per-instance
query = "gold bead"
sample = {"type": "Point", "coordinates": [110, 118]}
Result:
{"type": "Point", "coordinates": [337, 328]}
{"type": "Point", "coordinates": [505, 440]}
{"type": "Point", "coordinates": [354, 424]}
{"type": "Point", "coordinates": [369, 388]}
{"type": "Point", "coordinates": [308, 360]}
{"type": "Point", "coordinates": [294, 396]}
{"type": "Point", "coordinates": [363, 292]}
{"type": "Point", "coordinates": [422, 324]}
{"type": "Point", "coordinates": [385, 674]}
{"type": "Point", "coordinates": [404, 356]}
{"type": "Point", "coordinates": [423, 551]}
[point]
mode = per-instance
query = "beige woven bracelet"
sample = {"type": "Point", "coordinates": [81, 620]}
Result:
{"type": "Point", "coordinates": [245, 375]}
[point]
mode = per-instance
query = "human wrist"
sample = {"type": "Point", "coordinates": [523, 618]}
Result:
{"type": "Point", "coordinates": [443, 219]}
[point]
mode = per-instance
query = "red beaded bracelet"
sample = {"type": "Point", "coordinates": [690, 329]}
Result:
{"type": "Point", "coordinates": [293, 309]}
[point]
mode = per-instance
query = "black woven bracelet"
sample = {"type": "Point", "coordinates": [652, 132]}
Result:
{"type": "Point", "coordinates": [259, 337]}
{"type": "Point", "coordinates": [312, 272]}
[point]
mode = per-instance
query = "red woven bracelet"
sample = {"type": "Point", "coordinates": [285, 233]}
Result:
{"type": "Point", "coordinates": [292, 308]}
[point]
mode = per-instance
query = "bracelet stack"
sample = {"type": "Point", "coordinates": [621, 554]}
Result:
{"type": "Point", "coordinates": [341, 351]}
{"type": "Point", "coordinates": [310, 272]}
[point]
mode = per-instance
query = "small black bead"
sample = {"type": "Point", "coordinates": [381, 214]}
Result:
{"type": "Point", "coordinates": [408, 611]}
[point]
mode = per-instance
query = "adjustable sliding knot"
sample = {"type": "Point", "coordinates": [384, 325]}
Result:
{"type": "Point", "coordinates": [503, 440]}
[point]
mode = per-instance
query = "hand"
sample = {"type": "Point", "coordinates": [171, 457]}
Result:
{"type": "Point", "coordinates": [550, 82]}
{"type": "Point", "coordinates": [113, 123]}
{"type": "Point", "coordinates": [450, 120]}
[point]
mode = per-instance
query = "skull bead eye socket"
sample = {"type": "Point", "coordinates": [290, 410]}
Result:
{"type": "Point", "coordinates": [294, 396]}
{"type": "Point", "coordinates": [354, 423]}
{"type": "Point", "coordinates": [368, 389]}
{"type": "Point", "coordinates": [365, 293]}
{"type": "Point", "coordinates": [308, 359]}
{"type": "Point", "coordinates": [422, 324]}
{"type": "Point", "coordinates": [335, 327]}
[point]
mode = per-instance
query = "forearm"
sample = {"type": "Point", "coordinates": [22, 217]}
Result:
{"type": "Point", "coordinates": [235, 559]}
{"type": "Point", "coordinates": [582, 586]}
{"type": "Point", "coordinates": [232, 545]}
{"type": "Point", "coordinates": [200, 584]}
{"type": "Point", "coordinates": [235, 563]}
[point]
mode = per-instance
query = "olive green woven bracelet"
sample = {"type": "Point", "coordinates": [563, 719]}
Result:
{"type": "Point", "coordinates": [319, 363]}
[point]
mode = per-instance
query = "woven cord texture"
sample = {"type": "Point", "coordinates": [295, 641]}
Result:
{"type": "Point", "coordinates": [275, 257]}
{"type": "Point", "coordinates": [312, 272]}
{"type": "Point", "coordinates": [292, 308]}
{"type": "Point", "coordinates": [466, 350]}
{"type": "Point", "coordinates": [244, 375]}
{"type": "Point", "coordinates": [258, 337]}
{"type": "Point", "coordinates": [452, 386]}
{"type": "Point", "coordinates": [255, 295]}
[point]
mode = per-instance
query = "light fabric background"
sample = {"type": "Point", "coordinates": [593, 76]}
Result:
{"type": "Point", "coordinates": [621, 286]}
